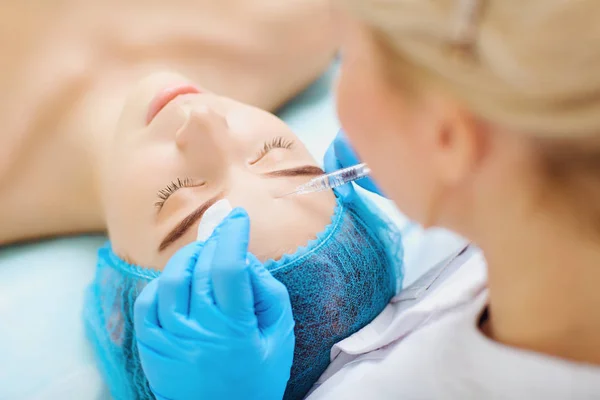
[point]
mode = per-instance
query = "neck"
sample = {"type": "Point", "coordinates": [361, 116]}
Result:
{"type": "Point", "coordinates": [98, 116]}
{"type": "Point", "coordinates": [543, 282]}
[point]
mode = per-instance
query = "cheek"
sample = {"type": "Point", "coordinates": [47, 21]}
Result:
{"type": "Point", "coordinates": [357, 108]}
{"type": "Point", "coordinates": [385, 133]}
{"type": "Point", "coordinates": [406, 177]}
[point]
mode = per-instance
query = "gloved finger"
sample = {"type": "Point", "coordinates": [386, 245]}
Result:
{"type": "Point", "coordinates": [331, 163]}
{"type": "Point", "coordinates": [160, 369]}
{"type": "Point", "coordinates": [330, 160]}
{"type": "Point", "coordinates": [370, 185]}
{"type": "Point", "coordinates": [230, 276]}
{"type": "Point", "coordinates": [271, 297]}
{"type": "Point", "coordinates": [347, 157]}
{"type": "Point", "coordinates": [174, 286]}
{"type": "Point", "coordinates": [202, 302]}
{"type": "Point", "coordinates": [145, 310]}
{"type": "Point", "coordinates": [344, 151]}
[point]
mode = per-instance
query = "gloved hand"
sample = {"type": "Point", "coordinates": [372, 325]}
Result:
{"type": "Point", "coordinates": [214, 325]}
{"type": "Point", "coordinates": [340, 154]}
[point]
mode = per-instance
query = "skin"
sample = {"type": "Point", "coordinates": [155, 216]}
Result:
{"type": "Point", "coordinates": [64, 84]}
{"type": "Point", "coordinates": [216, 144]}
{"type": "Point", "coordinates": [444, 166]}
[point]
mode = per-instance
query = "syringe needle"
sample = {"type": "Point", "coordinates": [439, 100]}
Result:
{"type": "Point", "coordinates": [332, 180]}
{"type": "Point", "coordinates": [287, 194]}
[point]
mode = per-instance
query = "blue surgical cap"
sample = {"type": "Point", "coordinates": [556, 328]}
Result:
{"type": "Point", "coordinates": [338, 283]}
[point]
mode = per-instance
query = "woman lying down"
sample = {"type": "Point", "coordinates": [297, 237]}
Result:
{"type": "Point", "coordinates": [178, 153]}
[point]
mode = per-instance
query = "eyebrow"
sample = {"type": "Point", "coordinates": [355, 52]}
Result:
{"type": "Point", "coordinates": [306, 170]}
{"type": "Point", "coordinates": [187, 223]}
{"type": "Point", "coordinates": [191, 219]}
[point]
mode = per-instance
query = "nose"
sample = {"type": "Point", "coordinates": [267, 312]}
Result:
{"type": "Point", "coordinates": [204, 127]}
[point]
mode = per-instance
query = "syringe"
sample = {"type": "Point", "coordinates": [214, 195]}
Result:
{"type": "Point", "coordinates": [332, 180]}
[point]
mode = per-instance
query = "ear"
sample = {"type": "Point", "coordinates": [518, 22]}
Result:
{"type": "Point", "coordinates": [456, 139]}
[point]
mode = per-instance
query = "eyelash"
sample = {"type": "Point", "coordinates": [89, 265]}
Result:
{"type": "Point", "coordinates": [164, 193]}
{"type": "Point", "coordinates": [278, 142]}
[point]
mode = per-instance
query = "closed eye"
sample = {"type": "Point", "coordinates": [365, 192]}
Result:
{"type": "Point", "coordinates": [166, 192]}
{"type": "Point", "coordinates": [278, 142]}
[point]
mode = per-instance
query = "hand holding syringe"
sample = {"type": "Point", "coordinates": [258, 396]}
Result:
{"type": "Point", "coordinates": [332, 180]}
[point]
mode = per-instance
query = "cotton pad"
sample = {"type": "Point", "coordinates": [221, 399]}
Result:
{"type": "Point", "coordinates": [212, 218]}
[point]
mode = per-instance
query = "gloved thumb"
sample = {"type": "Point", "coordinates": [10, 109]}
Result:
{"type": "Point", "coordinates": [271, 298]}
{"type": "Point", "coordinates": [229, 270]}
{"type": "Point", "coordinates": [332, 162]}
{"type": "Point", "coordinates": [344, 151]}
{"type": "Point", "coordinates": [347, 156]}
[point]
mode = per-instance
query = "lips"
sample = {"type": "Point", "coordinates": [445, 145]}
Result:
{"type": "Point", "coordinates": [165, 96]}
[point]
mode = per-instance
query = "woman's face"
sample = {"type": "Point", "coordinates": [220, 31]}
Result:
{"type": "Point", "coordinates": [390, 131]}
{"type": "Point", "coordinates": [178, 149]}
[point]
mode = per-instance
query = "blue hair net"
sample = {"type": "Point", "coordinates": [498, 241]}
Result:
{"type": "Point", "coordinates": [338, 283]}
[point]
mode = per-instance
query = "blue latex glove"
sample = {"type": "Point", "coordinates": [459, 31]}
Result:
{"type": "Point", "coordinates": [340, 154]}
{"type": "Point", "coordinates": [214, 325]}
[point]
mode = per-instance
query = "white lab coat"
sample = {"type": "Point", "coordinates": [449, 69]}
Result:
{"type": "Point", "coordinates": [426, 345]}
